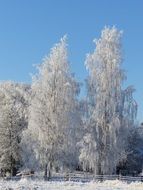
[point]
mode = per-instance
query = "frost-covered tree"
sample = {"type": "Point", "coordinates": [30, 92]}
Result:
{"type": "Point", "coordinates": [101, 149]}
{"type": "Point", "coordinates": [13, 119]}
{"type": "Point", "coordinates": [133, 164]}
{"type": "Point", "coordinates": [127, 115]}
{"type": "Point", "coordinates": [53, 118]}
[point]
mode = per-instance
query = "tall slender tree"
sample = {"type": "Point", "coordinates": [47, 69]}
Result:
{"type": "Point", "coordinates": [100, 147]}
{"type": "Point", "coordinates": [53, 109]}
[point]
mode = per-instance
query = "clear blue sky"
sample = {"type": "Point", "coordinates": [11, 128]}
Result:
{"type": "Point", "coordinates": [29, 28]}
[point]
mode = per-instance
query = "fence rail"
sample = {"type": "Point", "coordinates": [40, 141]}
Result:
{"type": "Point", "coordinates": [79, 177]}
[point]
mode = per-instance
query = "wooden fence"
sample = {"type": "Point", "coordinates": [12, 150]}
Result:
{"type": "Point", "coordinates": [80, 177]}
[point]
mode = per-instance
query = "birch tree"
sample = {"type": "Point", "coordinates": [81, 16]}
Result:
{"type": "Point", "coordinates": [106, 105]}
{"type": "Point", "coordinates": [13, 119]}
{"type": "Point", "coordinates": [52, 110]}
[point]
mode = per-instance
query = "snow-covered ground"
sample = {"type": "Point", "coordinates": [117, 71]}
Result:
{"type": "Point", "coordinates": [25, 184]}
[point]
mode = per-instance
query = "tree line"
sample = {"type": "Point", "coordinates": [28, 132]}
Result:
{"type": "Point", "coordinates": [46, 126]}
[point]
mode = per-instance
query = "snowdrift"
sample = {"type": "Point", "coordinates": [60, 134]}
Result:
{"type": "Point", "coordinates": [25, 184]}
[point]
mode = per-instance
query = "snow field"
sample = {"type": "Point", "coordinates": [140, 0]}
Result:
{"type": "Point", "coordinates": [25, 184]}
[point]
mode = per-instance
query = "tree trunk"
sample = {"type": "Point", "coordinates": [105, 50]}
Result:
{"type": "Point", "coordinates": [49, 170]}
{"type": "Point", "coordinates": [46, 172]}
{"type": "Point", "coordinates": [11, 166]}
{"type": "Point", "coordinates": [49, 174]}
{"type": "Point", "coordinates": [99, 169]}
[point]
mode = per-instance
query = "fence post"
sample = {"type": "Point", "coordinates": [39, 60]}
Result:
{"type": "Point", "coordinates": [119, 176]}
{"type": "Point", "coordinates": [101, 178]}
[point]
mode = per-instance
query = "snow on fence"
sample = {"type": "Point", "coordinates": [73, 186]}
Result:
{"type": "Point", "coordinates": [80, 177]}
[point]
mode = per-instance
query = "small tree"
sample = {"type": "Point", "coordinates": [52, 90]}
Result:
{"type": "Point", "coordinates": [133, 163]}
{"type": "Point", "coordinates": [13, 119]}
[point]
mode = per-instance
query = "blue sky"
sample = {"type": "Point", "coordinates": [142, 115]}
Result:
{"type": "Point", "coordinates": [29, 28]}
